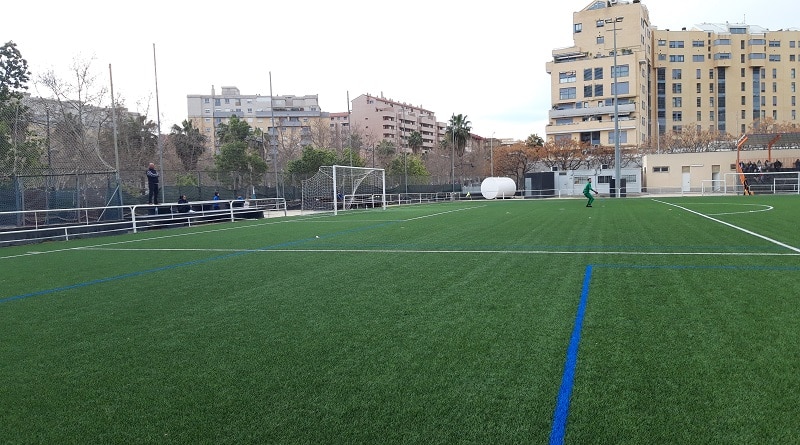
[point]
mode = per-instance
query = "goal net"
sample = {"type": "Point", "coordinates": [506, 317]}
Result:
{"type": "Point", "coordinates": [341, 187]}
{"type": "Point", "coordinates": [785, 182]}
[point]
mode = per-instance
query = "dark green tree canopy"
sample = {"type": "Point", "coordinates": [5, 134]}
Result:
{"type": "Point", "coordinates": [415, 141]}
{"type": "Point", "coordinates": [311, 160]}
{"type": "Point", "coordinates": [461, 127]}
{"type": "Point", "coordinates": [189, 143]}
{"type": "Point", "coordinates": [233, 131]}
{"type": "Point", "coordinates": [14, 73]}
{"type": "Point", "coordinates": [406, 164]}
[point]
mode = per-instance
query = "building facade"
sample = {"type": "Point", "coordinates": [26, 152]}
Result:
{"type": "Point", "coordinates": [379, 119]}
{"type": "Point", "coordinates": [712, 77]}
{"type": "Point", "coordinates": [290, 120]}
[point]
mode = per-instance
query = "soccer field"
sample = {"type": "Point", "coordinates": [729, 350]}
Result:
{"type": "Point", "coordinates": [640, 320]}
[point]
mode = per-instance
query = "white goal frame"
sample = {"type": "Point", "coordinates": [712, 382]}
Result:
{"type": "Point", "coordinates": [784, 182]}
{"type": "Point", "coordinates": [342, 187]}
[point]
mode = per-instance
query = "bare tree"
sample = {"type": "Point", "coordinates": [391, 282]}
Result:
{"type": "Point", "coordinates": [566, 154]}
{"type": "Point", "coordinates": [516, 160]}
{"type": "Point", "coordinates": [80, 113]}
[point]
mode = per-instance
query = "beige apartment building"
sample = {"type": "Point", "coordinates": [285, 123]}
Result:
{"type": "Point", "coordinates": [379, 119]}
{"type": "Point", "coordinates": [717, 77]}
{"type": "Point", "coordinates": [291, 119]}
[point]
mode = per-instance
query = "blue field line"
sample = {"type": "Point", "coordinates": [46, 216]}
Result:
{"type": "Point", "coordinates": [561, 412]}
{"type": "Point", "coordinates": [568, 378]}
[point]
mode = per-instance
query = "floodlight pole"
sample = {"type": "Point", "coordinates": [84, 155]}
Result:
{"type": "Point", "coordinates": [453, 156]}
{"type": "Point", "coordinates": [491, 152]}
{"type": "Point", "coordinates": [615, 77]}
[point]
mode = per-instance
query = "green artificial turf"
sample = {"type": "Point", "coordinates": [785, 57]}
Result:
{"type": "Point", "coordinates": [446, 323]}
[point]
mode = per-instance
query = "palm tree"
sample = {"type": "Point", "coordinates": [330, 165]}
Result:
{"type": "Point", "coordinates": [461, 127]}
{"type": "Point", "coordinates": [415, 141]}
{"type": "Point", "coordinates": [189, 143]}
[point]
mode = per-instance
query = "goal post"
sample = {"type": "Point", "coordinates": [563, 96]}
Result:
{"type": "Point", "coordinates": [342, 187]}
{"type": "Point", "coordinates": [783, 182]}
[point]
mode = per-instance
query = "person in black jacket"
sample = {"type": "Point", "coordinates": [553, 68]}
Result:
{"type": "Point", "coordinates": [152, 183]}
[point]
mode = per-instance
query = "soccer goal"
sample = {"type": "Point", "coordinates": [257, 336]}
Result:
{"type": "Point", "coordinates": [786, 182]}
{"type": "Point", "coordinates": [341, 187]}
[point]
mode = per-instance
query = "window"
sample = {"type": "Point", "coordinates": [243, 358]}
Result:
{"type": "Point", "coordinates": [598, 73]}
{"type": "Point", "coordinates": [676, 74]}
{"type": "Point", "coordinates": [662, 43]}
{"type": "Point", "coordinates": [676, 57]}
{"type": "Point", "coordinates": [578, 27]}
{"type": "Point", "coordinates": [623, 137]}
{"type": "Point", "coordinates": [676, 88]}
{"type": "Point", "coordinates": [587, 91]}
{"type": "Point", "coordinates": [774, 57]}
{"type": "Point", "coordinates": [567, 93]}
{"type": "Point", "coordinates": [677, 116]}
{"type": "Point", "coordinates": [699, 116]}
{"type": "Point", "coordinates": [699, 102]}
{"type": "Point", "coordinates": [600, 23]}
{"type": "Point", "coordinates": [622, 71]}
{"type": "Point", "coordinates": [744, 100]}
{"type": "Point", "coordinates": [661, 169]}
{"type": "Point", "coordinates": [598, 90]}
{"type": "Point", "coordinates": [587, 74]}
{"type": "Point", "coordinates": [600, 40]}
{"type": "Point", "coordinates": [698, 44]}
{"type": "Point", "coordinates": [677, 102]}
{"type": "Point", "coordinates": [566, 77]}
{"type": "Point", "coordinates": [676, 43]}
{"type": "Point", "coordinates": [662, 57]}
{"type": "Point", "coordinates": [698, 74]}
{"type": "Point", "coordinates": [744, 88]}
{"type": "Point", "coordinates": [698, 58]}
{"type": "Point", "coordinates": [698, 88]}
{"type": "Point", "coordinates": [774, 43]}
{"type": "Point", "coordinates": [206, 100]}
{"type": "Point", "coordinates": [620, 88]}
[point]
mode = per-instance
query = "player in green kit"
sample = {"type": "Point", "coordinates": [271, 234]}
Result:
{"type": "Point", "coordinates": [587, 192]}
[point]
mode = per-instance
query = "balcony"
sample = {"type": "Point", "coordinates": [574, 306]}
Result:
{"type": "Point", "coordinates": [591, 111]}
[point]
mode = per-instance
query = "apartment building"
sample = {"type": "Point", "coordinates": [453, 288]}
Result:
{"type": "Point", "coordinates": [710, 77]}
{"type": "Point", "coordinates": [379, 119]}
{"type": "Point", "coordinates": [290, 119]}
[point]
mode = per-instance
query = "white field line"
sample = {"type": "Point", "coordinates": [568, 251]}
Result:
{"type": "Point", "coordinates": [749, 232]}
{"type": "Point", "coordinates": [267, 223]}
{"type": "Point", "coordinates": [450, 251]}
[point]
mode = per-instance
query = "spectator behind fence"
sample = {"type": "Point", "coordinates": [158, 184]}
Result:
{"type": "Point", "coordinates": [152, 184]}
{"type": "Point", "coordinates": [797, 165]}
{"type": "Point", "coordinates": [184, 207]}
{"type": "Point", "coordinates": [216, 198]}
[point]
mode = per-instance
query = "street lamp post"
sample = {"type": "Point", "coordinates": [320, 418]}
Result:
{"type": "Point", "coordinates": [615, 77]}
{"type": "Point", "coordinates": [453, 159]}
{"type": "Point", "coordinates": [491, 152]}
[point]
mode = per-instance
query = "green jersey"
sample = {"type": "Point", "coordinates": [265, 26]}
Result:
{"type": "Point", "coordinates": [588, 188]}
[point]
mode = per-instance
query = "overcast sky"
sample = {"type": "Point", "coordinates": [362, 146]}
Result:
{"type": "Point", "coordinates": [482, 59]}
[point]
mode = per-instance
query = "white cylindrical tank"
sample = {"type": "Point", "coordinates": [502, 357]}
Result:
{"type": "Point", "coordinates": [497, 187]}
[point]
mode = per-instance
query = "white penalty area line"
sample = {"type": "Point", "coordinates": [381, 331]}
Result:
{"type": "Point", "coordinates": [444, 213]}
{"type": "Point", "coordinates": [450, 251]}
{"type": "Point", "coordinates": [749, 232]}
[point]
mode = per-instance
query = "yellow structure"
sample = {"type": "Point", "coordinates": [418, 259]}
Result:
{"type": "Point", "coordinates": [711, 77]}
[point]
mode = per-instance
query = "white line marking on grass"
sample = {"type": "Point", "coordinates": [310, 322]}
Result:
{"type": "Point", "coordinates": [444, 213]}
{"type": "Point", "coordinates": [154, 238]}
{"type": "Point", "coordinates": [749, 232]}
{"type": "Point", "coordinates": [766, 208]}
{"type": "Point", "coordinates": [510, 252]}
